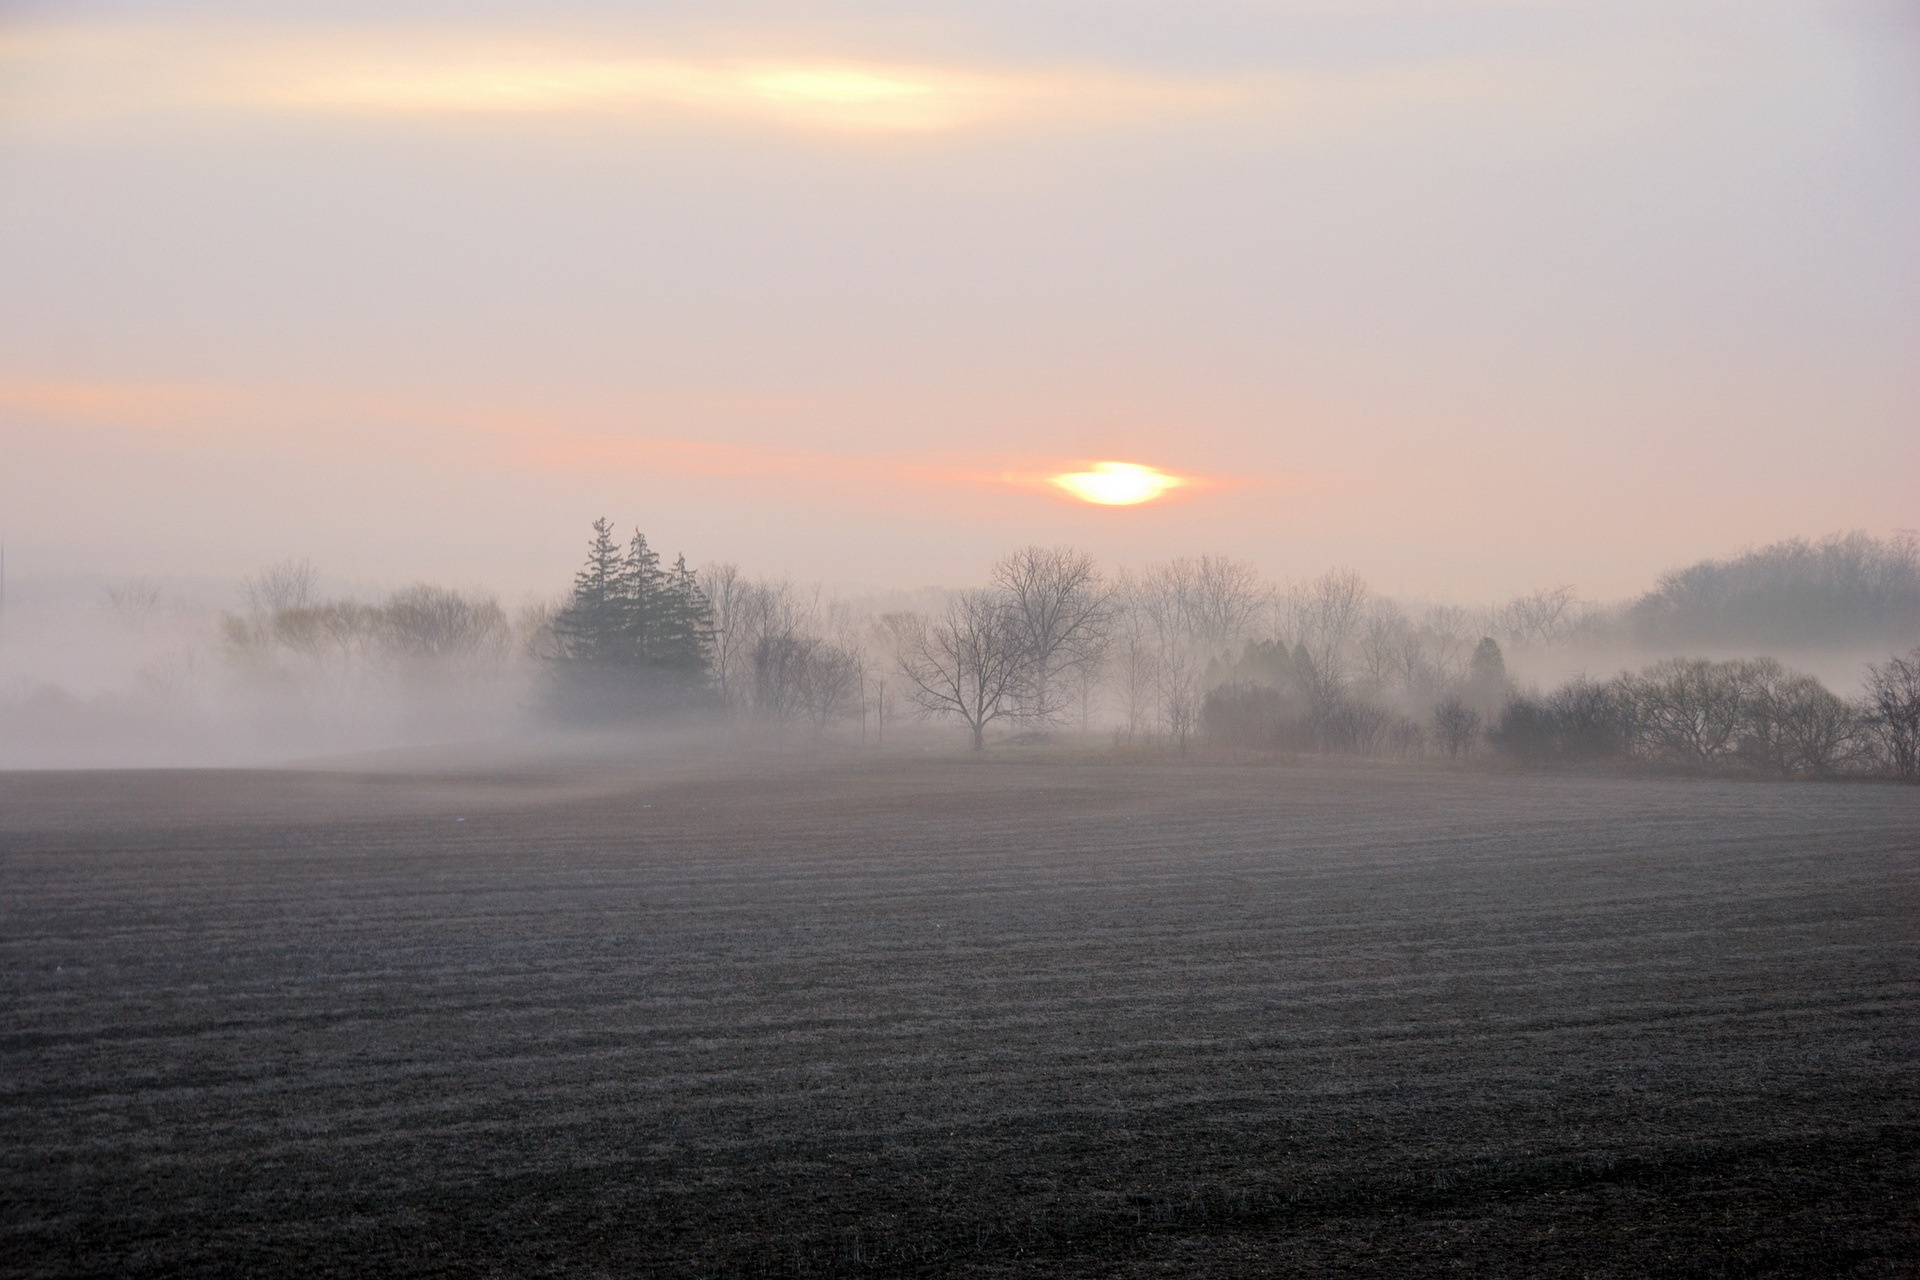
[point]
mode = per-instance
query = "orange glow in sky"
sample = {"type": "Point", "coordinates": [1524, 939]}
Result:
{"type": "Point", "coordinates": [1117, 484]}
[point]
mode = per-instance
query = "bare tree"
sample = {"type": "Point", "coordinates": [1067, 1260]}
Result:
{"type": "Point", "coordinates": [969, 663]}
{"type": "Point", "coordinates": [425, 622]}
{"type": "Point", "coordinates": [1327, 612]}
{"type": "Point", "coordinates": [1136, 659]}
{"type": "Point", "coordinates": [1817, 731]}
{"type": "Point", "coordinates": [533, 624]}
{"type": "Point", "coordinates": [832, 680]}
{"type": "Point", "coordinates": [1893, 708]}
{"type": "Point", "coordinates": [882, 642]}
{"type": "Point", "coordinates": [134, 601]}
{"type": "Point", "coordinates": [1388, 649]}
{"type": "Point", "coordinates": [1161, 603]}
{"type": "Point", "coordinates": [727, 594]}
{"type": "Point", "coordinates": [1448, 634]}
{"type": "Point", "coordinates": [1691, 710]}
{"type": "Point", "coordinates": [780, 662]}
{"type": "Point", "coordinates": [1084, 676]}
{"type": "Point", "coordinates": [1457, 725]}
{"type": "Point", "coordinates": [1064, 612]}
{"type": "Point", "coordinates": [283, 585]}
{"type": "Point", "coordinates": [1197, 610]}
{"type": "Point", "coordinates": [1538, 617]}
{"type": "Point", "coordinates": [1215, 599]}
{"type": "Point", "coordinates": [763, 632]}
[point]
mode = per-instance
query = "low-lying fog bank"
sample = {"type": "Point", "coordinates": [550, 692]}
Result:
{"type": "Point", "coordinates": [1790, 660]}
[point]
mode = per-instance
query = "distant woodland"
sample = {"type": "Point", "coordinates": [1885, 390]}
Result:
{"type": "Point", "coordinates": [1200, 651]}
{"type": "Point", "coordinates": [1791, 594]}
{"type": "Point", "coordinates": [1189, 654]}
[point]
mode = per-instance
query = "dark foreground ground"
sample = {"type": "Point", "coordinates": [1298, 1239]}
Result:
{"type": "Point", "coordinates": [958, 1018]}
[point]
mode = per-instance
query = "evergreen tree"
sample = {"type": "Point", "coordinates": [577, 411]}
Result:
{"type": "Point", "coordinates": [641, 602]}
{"type": "Point", "coordinates": [590, 628]}
{"type": "Point", "coordinates": [632, 637]}
{"type": "Point", "coordinates": [1488, 666]}
{"type": "Point", "coordinates": [685, 634]}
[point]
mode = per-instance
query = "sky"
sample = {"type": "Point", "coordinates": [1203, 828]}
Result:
{"type": "Point", "coordinates": [1467, 295]}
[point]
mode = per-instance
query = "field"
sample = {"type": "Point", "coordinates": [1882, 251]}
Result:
{"type": "Point", "coordinates": [1005, 1017]}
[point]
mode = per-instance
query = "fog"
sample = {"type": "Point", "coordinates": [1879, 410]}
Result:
{"type": "Point", "coordinates": [286, 665]}
{"type": "Point", "coordinates": [796, 638]}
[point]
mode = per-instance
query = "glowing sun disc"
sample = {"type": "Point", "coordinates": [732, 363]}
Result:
{"type": "Point", "coordinates": [1117, 484]}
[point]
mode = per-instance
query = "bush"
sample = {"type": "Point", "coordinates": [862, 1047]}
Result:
{"type": "Point", "coordinates": [1582, 721]}
{"type": "Point", "coordinates": [1245, 714]}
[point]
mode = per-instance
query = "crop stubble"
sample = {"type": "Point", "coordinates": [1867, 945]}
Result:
{"type": "Point", "coordinates": [958, 1018]}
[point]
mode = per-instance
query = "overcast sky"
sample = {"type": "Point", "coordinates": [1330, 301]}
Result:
{"type": "Point", "coordinates": [1469, 297]}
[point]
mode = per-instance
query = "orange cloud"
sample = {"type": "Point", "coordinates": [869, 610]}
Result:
{"type": "Point", "coordinates": [153, 406]}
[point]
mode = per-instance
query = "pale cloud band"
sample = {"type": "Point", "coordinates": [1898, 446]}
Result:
{"type": "Point", "coordinates": [121, 76]}
{"type": "Point", "coordinates": [80, 73]}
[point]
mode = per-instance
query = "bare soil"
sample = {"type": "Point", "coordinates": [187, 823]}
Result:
{"type": "Point", "coordinates": [1007, 1017]}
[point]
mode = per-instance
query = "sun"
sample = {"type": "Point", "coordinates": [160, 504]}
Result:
{"type": "Point", "coordinates": [1117, 484]}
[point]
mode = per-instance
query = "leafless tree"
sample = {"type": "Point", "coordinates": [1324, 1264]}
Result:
{"type": "Point", "coordinates": [1448, 633]}
{"type": "Point", "coordinates": [533, 624]}
{"type": "Point", "coordinates": [780, 663]}
{"type": "Point", "coordinates": [1176, 659]}
{"type": "Point", "coordinates": [1457, 726]}
{"type": "Point", "coordinates": [283, 585]}
{"type": "Point", "coordinates": [1405, 738]}
{"type": "Point", "coordinates": [1064, 611]}
{"type": "Point", "coordinates": [431, 623]}
{"type": "Point", "coordinates": [1084, 678]}
{"type": "Point", "coordinates": [1327, 612]}
{"type": "Point", "coordinates": [1345, 724]}
{"type": "Point", "coordinates": [832, 679]}
{"type": "Point", "coordinates": [1389, 652]}
{"type": "Point", "coordinates": [727, 593]}
{"type": "Point", "coordinates": [764, 629]}
{"type": "Point", "coordinates": [1893, 709]}
{"type": "Point", "coordinates": [1214, 598]}
{"type": "Point", "coordinates": [1135, 659]}
{"type": "Point", "coordinates": [134, 601]}
{"type": "Point", "coordinates": [881, 693]}
{"type": "Point", "coordinates": [1790, 723]}
{"type": "Point", "coordinates": [335, 638]}
{"type": "Point", "coordinates": [1197, 610]}
{"type": "Point", "coordinates": [1817, 731]}
{"type": "Point", "coordinates": [1277, 616]}
{"type": "Point", "coordinates": [1690, 710]}
{"type": "Point", "coordinates": [1538, 617]}
{"type": "Point", "coordinates": [970, 662]}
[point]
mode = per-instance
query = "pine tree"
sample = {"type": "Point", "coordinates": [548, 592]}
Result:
{"type": "Point", "coordinates": [685, 637]}
{"type": "Point", "coordinates": [642, 600]}
{"type": "Point", "coordinates": [1488, 666]}
{"type": "Point", "coordinates": [590, 626]}
{"type": "Point", "coordinates": [633, 637]}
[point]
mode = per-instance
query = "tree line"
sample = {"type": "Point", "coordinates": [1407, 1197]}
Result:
{"type": "Point", "coordinates": [1749, 714]}
{"type": "Point", "coordinates": [289, 628]}
{"type": "Point", "coordinates": [1194, 649]}
{"type": "Point", "coordinates": [1849, 588]}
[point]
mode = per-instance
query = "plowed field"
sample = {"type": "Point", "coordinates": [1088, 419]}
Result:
{"type": "Point", "coordinates": [959, 1018]}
